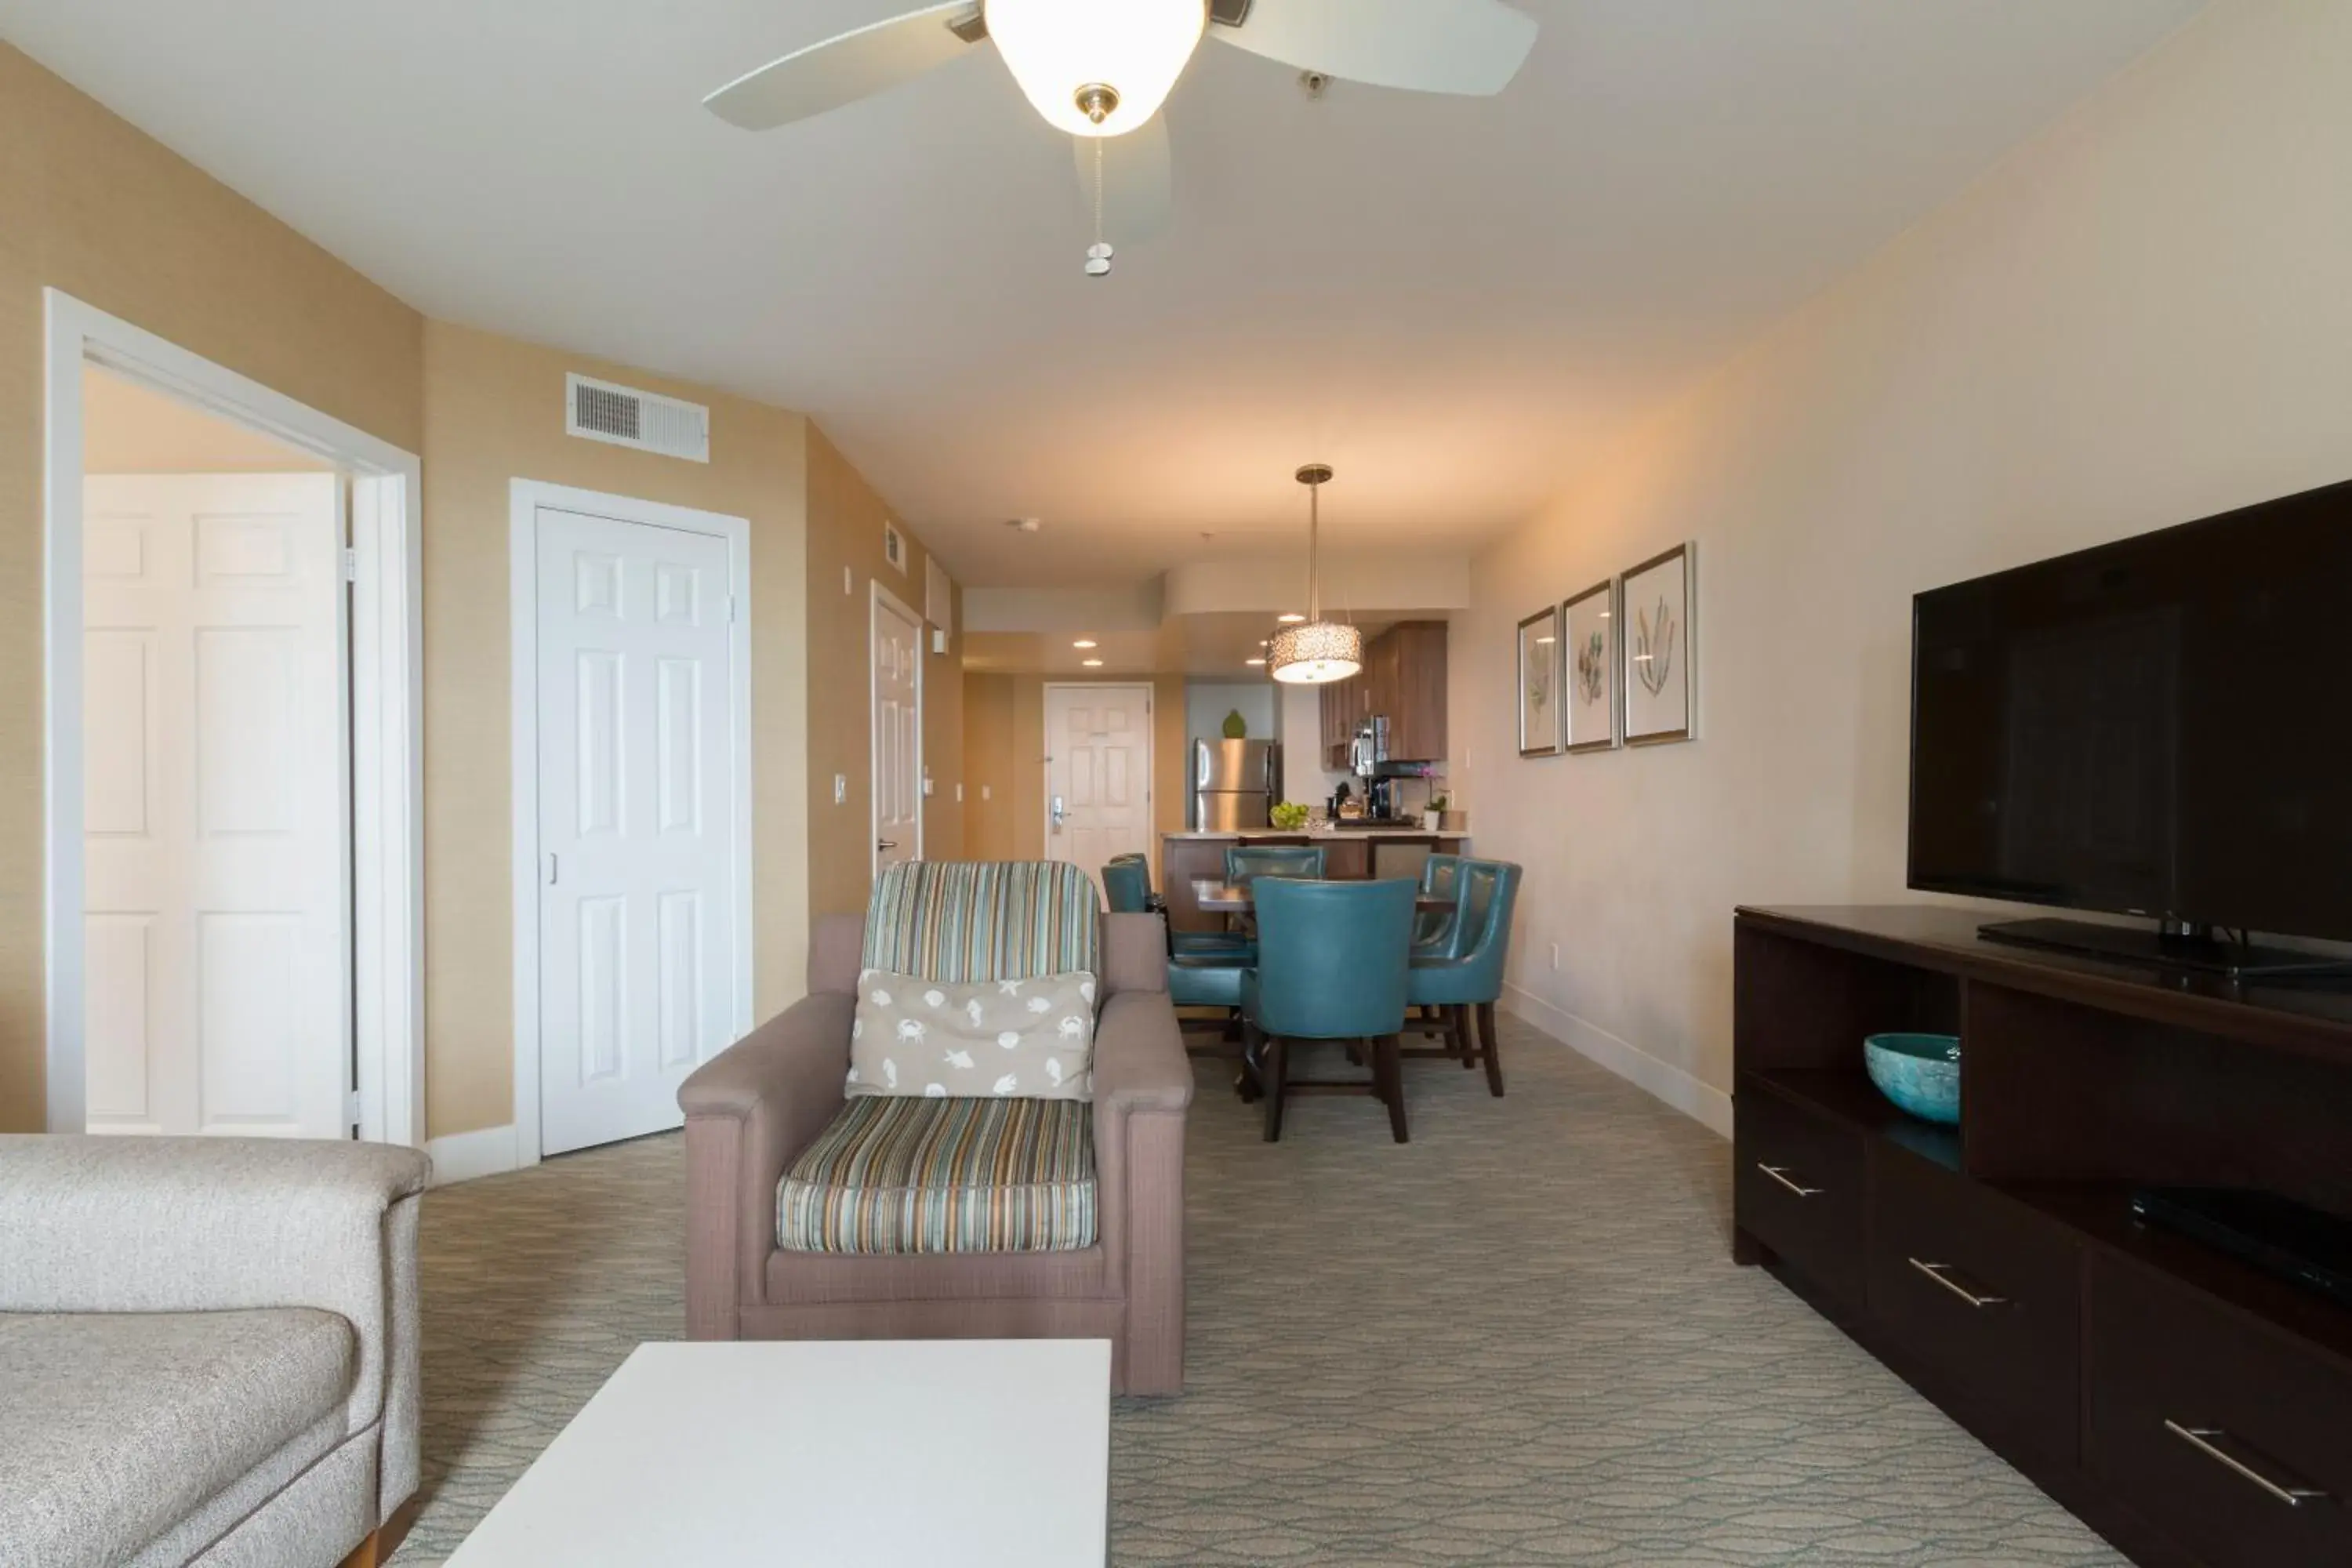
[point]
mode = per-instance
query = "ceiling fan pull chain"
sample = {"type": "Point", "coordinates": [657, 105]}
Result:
{"type": "Point", "coordinates": [1099, 253]}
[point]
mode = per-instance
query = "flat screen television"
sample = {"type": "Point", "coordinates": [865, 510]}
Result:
{"type": "Point", "coordinates": [2158, 727]}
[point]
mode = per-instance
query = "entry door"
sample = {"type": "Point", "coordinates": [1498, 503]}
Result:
{"type": "Point", "coordinates": [216, 942]}
{"type": "Point", "coordinates": [1097, 774]}
{"type": "Point", "coordinates": [636, 829]}
{"type": "Point", "coordinates": [897, 735]}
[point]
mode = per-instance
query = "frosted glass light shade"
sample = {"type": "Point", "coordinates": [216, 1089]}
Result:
{"type": "Point", "coordinates": [1315, 653]}
{"type": "Point", "coordinates": [1054, 48]}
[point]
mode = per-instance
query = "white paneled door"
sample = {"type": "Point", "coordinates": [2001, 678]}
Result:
{"type": "Point", "coordinates": [636, 830]}
{"type": "Point", "coordinates": [898, 734]}
{"type": "Point", "coordinates": [1097, 774]}
{"type": "Point", "coordinates": [216, 837]}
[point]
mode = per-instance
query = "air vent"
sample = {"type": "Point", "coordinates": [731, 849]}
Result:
{"type": "Point", "coordinates": [600, 411]}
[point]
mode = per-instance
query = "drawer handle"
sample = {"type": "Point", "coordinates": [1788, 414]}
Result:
{"type": "Point", "coordinates": [2207, 1440]}
{"type": "Point", "coordinates": [1780, 1174]}
{"type": "Point", "coordinates": [1941, 1273]}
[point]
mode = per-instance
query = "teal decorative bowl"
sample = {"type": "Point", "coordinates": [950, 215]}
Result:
{"type": "Point", "coordinates": [1921, 1073]}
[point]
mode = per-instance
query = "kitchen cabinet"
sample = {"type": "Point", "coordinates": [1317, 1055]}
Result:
{"type": "Point", "coordinates": [1402, 681]}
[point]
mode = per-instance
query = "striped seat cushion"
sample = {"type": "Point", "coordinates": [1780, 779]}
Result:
{"type": "Point", "coordinates": [983, 919]}
{"type": "Point", "coordinates": [907, 1175]}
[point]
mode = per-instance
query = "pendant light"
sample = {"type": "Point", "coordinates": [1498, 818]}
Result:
{"type": "Point", "coordinates": [1316, 652]}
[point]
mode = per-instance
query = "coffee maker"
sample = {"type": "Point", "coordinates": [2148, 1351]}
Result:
{"type": "Point", "coordinates": [1369, 754]}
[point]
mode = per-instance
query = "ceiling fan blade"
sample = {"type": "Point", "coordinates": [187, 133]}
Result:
{"type": "Point", "coordinates": [1469, 47]}
{"type": "Point", "coordinates": [854, 66]}
{"type": "Point", "coordinates": [1138, 180]}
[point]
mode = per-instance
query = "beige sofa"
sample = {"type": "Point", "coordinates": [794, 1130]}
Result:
{"type": "Point", "coordinates": [753, 1108]}
{"type": "Point", "coordinates": [208, 1350]}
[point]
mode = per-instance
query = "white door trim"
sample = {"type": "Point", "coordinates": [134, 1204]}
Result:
{"type": "Point", "coordinates": [525, 497]}
{"type": "Point", "coordinates": [874, 602]}
{"type": "Point", "coordinates": [387, 684]}
{"type": "Point", "coordinates": [1150, 753]}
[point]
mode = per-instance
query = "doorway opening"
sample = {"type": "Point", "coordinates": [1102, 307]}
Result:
{"type": "Point", "coordinates": [231, 671]}
{"type": "Point", "coordinates": [1098, 772]}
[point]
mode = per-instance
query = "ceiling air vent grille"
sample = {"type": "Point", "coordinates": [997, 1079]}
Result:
{"type": "Point", "coordinates": [600, 411]}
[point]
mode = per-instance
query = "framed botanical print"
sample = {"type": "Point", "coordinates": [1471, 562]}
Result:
{"type": "Point", "coordinates": [1539, 667]}
{"type": "Point", "coordinates": [1589, 633]}
{"type": "Point", "coordinates": [1658, 645]}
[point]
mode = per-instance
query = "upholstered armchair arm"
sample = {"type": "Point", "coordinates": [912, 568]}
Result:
{"type": "Point", "coordinates": [749, 1110]}
{"type": "Point", "coordinates": [182, 1224]}
{"type": "Point", "coordinates": [1143, 1085]}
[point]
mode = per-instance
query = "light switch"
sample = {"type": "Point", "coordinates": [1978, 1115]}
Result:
{"type": "Point", "coordinates": [984, 792]}
{"type": "Point", "coordinates": [959, 795]}
{"type": "Point", "coordinates": [841, 789]}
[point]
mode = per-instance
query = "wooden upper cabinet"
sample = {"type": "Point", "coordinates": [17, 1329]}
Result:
{"type": "Point", "coordinates": [1403, 680]}
{"type": "Point", "coordinates": [1411, 687]}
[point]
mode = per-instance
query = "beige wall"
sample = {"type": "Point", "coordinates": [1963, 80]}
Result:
{"type": "Point", "coordinates": [2139, 318]}
{"type": "Point", "coordinates": [94, 207]}
{"type": "Point", "coordinates": [87, 203]}
{"type": "Point", "coordinates": [1005, 748]}
{"type": "Point", "coordinates": [845, 532]}
{"type": "Point", "coordinates": [128, 430]}
{"type": "Point", "coordinates": [493, 413]}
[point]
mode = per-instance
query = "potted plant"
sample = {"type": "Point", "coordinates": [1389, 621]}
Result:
{"type": "Point", "coordinates": [1432, 816]}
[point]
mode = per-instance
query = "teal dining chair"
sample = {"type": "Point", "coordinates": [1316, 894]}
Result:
{"type": "Point", "coordinates": [1441, 877]}
{"type": "Point", "coordinates": [1127, 886]}
{"type": "Point", "coordinates": [1464, 983]}
{"type": "Point", "coordinates": [1332, 964]}
{"type": "Point", "coordinates": [1247, 862]}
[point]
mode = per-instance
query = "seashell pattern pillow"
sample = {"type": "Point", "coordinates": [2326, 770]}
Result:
{"type": "Point", "coordinates": [1032, 1040]}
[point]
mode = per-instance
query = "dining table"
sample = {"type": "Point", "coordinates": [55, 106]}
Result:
{"type": "Point", "coordinates": [1222, 897]}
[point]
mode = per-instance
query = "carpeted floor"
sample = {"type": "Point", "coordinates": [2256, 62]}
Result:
{"type": "Point", "coordinates": [1519, 1339]}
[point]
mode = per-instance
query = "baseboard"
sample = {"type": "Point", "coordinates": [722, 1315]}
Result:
{"type": "Point", "coordinates": [462, 1156]}
{"type": "Point", "coordinates": [1701, 1102]}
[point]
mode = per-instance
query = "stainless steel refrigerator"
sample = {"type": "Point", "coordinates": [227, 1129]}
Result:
{"type": "Point", "coordinates": [1234, 784]}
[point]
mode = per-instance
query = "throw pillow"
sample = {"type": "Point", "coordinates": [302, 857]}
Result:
{"type": "Point", "coordinates": [1033, 1039]}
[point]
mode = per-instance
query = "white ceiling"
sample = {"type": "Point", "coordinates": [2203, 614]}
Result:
{"type": "Point", "coordinates": [1455, 301]}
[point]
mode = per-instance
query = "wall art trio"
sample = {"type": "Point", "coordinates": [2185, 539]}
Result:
{"type": "Point", "coordinates": [1615, 665]}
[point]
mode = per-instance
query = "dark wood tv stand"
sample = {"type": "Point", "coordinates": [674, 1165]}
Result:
{"type": "Point", "coordinates": [2195, 1411]}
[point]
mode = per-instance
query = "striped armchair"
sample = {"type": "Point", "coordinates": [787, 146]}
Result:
{"type": "Point", "coordinates": [811, 1215]}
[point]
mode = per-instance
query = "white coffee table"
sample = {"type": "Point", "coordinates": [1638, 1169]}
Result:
{"type": "Point", "coordinates": [849, 1454]}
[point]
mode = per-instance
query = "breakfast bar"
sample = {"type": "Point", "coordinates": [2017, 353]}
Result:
{"type": "Point", "coordinates": [1350, 855]}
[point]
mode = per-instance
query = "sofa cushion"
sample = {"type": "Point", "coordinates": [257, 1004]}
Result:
{"type": "Point", "coordinates": [900, 1175]}
{"type": "Point", "coordinates": [983, 919]}
{"type": "Point", "coordinates": [973, 1038]}
{"type": "Point", "coordinates": [113, 1425]}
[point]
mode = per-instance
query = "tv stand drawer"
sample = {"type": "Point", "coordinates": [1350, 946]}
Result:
{"type": "Point", "coordinates": [1986, 1295]}
{"type": "Point", "coordinates": [2232, 1440]}
{"type": "Point", "coordinates": [1797, 1188]}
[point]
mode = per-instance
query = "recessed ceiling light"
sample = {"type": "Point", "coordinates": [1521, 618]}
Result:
{"type": "Point", "coordinates": [1292, 620]}
{"type": "Point", "coordinates": [1253, 661]}
{"type": "Point", "coordinates": [1084, 642]}
{"type": "Point", "coordinates": [1263, 643]}
{"type": "Point", "coordinates": [1091, 663]}
{"type": "Point", "coordinates": [1025, 524]}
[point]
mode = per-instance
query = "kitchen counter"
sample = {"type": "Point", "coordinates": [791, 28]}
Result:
{"type": "Point", "coordinates": [1315, 834]}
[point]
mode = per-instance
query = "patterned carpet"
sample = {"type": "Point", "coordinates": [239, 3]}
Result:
{"type": "Point", "coordinates": [1519, 1339]}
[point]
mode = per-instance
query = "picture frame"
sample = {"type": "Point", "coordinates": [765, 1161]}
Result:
{"type": "Point", "coordinates": [1592, 684]}
{"type": "Point", "coordinates": [1540, 669]}
{"type": "Point", "coordinates": [1658, 647]}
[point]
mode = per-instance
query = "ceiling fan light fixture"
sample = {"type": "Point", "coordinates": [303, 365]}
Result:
{"type": "Point", "coordinates": [1097, 67]}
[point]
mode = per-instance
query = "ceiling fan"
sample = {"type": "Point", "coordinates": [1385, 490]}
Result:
{"type": "Point", "coordinates": [1100, 70]}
